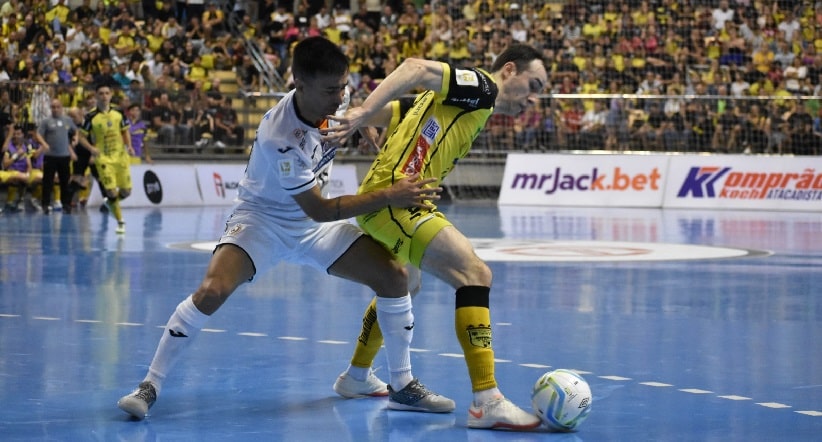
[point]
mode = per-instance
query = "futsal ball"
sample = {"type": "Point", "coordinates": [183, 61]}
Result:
{"type": "Point", "coordinates": [561, 399]}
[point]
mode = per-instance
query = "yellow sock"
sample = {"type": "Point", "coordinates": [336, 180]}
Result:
{"type": "Point", "coordinates": [370, 340]}
{"type": "Point", "coordinates": [472, 324]}
{"type": "Point", "coordinates": [116, 211]}
{"type": "Point", "coordinates": [11, 195]}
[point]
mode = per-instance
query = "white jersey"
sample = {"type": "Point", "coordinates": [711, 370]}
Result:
{"type": "Point", "coordinates": [287, 158]}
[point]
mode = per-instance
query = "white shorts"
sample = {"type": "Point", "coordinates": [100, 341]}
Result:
{"type": "Point", "coordinates": [266, 242]}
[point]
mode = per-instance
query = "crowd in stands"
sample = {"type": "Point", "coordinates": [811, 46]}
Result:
{"type": "Point", "coordinates": [746, 61]}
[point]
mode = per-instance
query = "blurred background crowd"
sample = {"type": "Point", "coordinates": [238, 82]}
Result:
{"type": "Point", "coordinates": [722, 76]}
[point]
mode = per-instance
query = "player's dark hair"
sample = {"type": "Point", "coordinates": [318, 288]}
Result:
{"type": "Point", "coordinates": [316, 56]}
{"type": "Point", "coordinates": [520, 54]}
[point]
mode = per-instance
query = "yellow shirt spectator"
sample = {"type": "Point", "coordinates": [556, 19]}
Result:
{"type": "Point", "coordinates": [333, 34]}
{"type": "Point", "coordinates": [59, 11]}
{"type": "Point", "coordinates": [581, 62]}
{"type": "Point", "coordinates": [619, 62]}
{"type": "Point", "coordinates": [125, 41]}
{"type": "Point", "coordinates": [589, 86]}
{"type": "Point", "coordinates": [155, 42]}
{"type": "Point", "coordinates": [593, 30]}
{"type": "Point", "coordinates": [764, 87]}
{"type": "Point", "coordinates": [104, 33]}
{"type": "Point", "coordinates": [762, 59]}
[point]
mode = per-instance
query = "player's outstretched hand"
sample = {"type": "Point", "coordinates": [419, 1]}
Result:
{"type": "Point", "coordinates": [413, 192]}
{"type": "Point", "coordinates": [345, 126]}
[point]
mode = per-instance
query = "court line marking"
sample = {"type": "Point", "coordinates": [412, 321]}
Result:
{"type": "Point", "coordinates": [772, 405]}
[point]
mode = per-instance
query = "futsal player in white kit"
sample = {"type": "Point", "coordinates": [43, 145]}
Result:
{"type": "Point", "coordinates": [282, 215]}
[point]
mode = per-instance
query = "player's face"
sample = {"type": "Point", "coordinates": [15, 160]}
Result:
{"type": "Point", "coordinates": [103, 97]}
{"type": "Point", "coordinates": [322, 96]}
{"type": "Point", "coordinates": [519, 90]}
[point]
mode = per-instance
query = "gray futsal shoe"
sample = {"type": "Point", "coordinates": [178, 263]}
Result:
{"type": "Point", "coordinates": [139, 401]}
{"type": "Point", "coordinates": [415, 397]}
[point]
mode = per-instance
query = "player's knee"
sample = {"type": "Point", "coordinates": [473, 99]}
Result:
{"type": "Point", "coordinates": [392, 280]}
{"type": "Point", "coordinates": [124, 193]}
{"type": "Point", "coordinates": [480, 273]}
{"type": "Point", "coordinates": [211, 294]}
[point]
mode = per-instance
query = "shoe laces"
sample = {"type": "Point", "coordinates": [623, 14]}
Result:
{"type": "Point", "coordinates": [146, 393]}
{"type": "Point", "coordinates": [413, 392]}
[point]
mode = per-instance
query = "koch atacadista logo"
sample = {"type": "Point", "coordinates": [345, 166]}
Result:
{"type": "Point", "coordinates": [724, 182]}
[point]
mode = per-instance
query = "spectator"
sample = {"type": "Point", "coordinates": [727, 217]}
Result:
{"type": "Point", "coordinates": [248, 77]}
{"type": "Point", "coordinates": [164, 120]}
{"type": "Point", "coordinates": [592, 126]}
{"type": "Point", "coordinates": [227, 130]}
{"type": "Point", "coordinates": [800, 130]}
{"type": "Point", "coordinates": [213, 20]}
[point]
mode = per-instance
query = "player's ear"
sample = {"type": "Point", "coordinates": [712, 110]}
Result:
{"type": "Point", "coordinates": [509, 69]}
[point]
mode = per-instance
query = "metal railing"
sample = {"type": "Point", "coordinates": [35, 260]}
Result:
{"type": "Point", "coordinates": [558, 123]}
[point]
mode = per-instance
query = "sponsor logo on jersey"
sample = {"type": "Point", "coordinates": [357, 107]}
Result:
{"type": "Point", "coordinates": [231, 230]}
{"type": "Point", "coordinates": [286, 168]}
{"type": "Point", "coordinates": [466, 78]}
{"type": "Point", "coordinates": [417, 157]}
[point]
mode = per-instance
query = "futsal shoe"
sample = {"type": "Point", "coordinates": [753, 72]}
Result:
{"type": "Point", "coordinates": [415, 397]}
{"type": "Point", "coordinates": [350, 388]}
{"type": "Point", "coordinates": [501, 414]}
{"type": "Point", "coordinates": [138, 402]}
{"type": "Point", "coordinates": [121, 228]}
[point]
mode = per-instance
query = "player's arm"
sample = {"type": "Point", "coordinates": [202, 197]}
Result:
{"type": "Point", "coordinates": [412, 74]}
{"type": "Point", "coordinates": [408, 192]}
{"type": "Point", "coordinates": [83, 141]}
{"type": "Point", "coordinates": [126, 134]}
{"type": "Point", "coordinates": [41, 142]}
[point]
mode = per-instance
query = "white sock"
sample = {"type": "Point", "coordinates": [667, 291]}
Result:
{"type": "Point", "coordinates": [483, 396]}
{"type": "Point", "coordinates": [358, 373]}
{"type": "Point", "coordinates": [397, 324]}
{"type": "Point", "coordinates": [185, 323]}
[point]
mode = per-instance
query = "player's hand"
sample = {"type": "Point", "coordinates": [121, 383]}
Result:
{"type": "Point", "coordinates": [370, 136]}
{"type": "Point", "coordinates": [353, 119]}
{"type": "Point", "coordinates": [413, 192]}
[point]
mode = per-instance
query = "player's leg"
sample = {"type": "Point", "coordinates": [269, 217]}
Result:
{"type": "Point", "coordinates": [369, 263]}
{"type": "Point", "coordinates": [450, 256]}
{"type": "Point", "coordinates": [122, 175]}
{"type": "Point", "coordinates": [229, 267]}
{"type": "Point", "coordinates": [359, 380]}
{"type": "Point", "coordinates": [50, 165]}
{"type": "Point", "coordinates": [63, 176]}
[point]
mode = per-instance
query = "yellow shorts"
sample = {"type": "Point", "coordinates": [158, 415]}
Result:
{"type": "Point", "coordinates": [114, 173]}
{"type": "Point", "coordinates": [404, 232]}
{"type": "Point", "coordinates": [6, 175]}
{"type": "Point", "coordinates": [35, 176]}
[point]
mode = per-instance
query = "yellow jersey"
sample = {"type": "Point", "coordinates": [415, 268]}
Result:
{"type": "Point", "coordinates": [105, 130]}
{"type": "Point", "coordinates": [431, 134]}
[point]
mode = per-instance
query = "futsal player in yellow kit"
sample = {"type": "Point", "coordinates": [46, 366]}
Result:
{"type": "Point", "coordinates": [105, 133]}
{"type": "Point", "coordinates": [428, 137]}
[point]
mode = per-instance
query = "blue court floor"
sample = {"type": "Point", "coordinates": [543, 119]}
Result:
{"type": "Point", "coordinates": [689, 326]}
